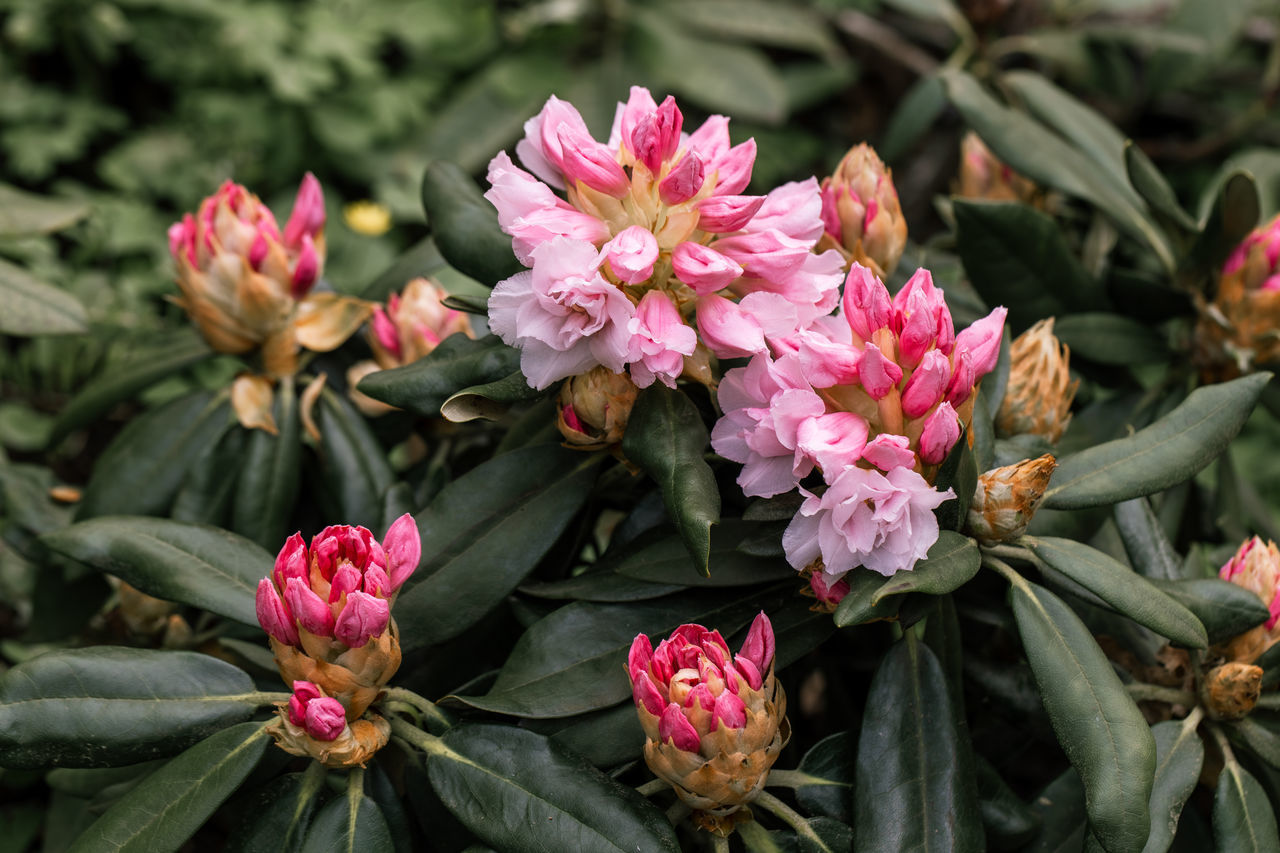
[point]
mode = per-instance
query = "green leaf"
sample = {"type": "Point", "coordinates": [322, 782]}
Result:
{"type": "Point", "coordinates": [552, 672]}
{"type": "Point", "coordinates": [166, 808]}
{"type": "Point", "coordinates": [1016, 256]}
{"type": "Point", "coordinates": [1260, 739]}
{"type": "Point", "coordinates": [123, 381]}
{"type": "Point", "coordinates": [791, 27]}
{"type": "Point", "coordinates": [1233, 215]}
{"type": "Point", "coordinates": [1225, 609]}
{"type": "Point", "coordinates": [354, 465]}
{"type": "Point", "coordinates": [1169, 451]}
{"type": "Point", "coordinates": [667, 439]}
{"type": "Point", "coordinates": [831, 764]}
{"type": "Point", "coordinates": [419, 261]}
{"type": "Point", "coordinates": [488, 401]}
{"type": "Point", "coordinates": [912, 791]}
{"type": "Point", "coordinates": [958, 472]}
{"type": "Point", "coordinates": [32, 307]}
{"type": "Point", "coordinates": [1111, 339]}
{"type": "Point", "coordinates": [1243, 819]}
{"type": "Point", "coordinates": [350, 824]}
{"type": "Point", "coordinates": [518, 791]}
{"type": "Point", "coordinates": [914, 114]}
{"type": "Point", "coordinates": [1155, 190]}
{"type": "Point", "coordinates": [205, 567]}
{"type": "Point", "coordinates": [859, 604]}
{"type": "Point", "coordinates": [1009, 822]}
{"type": "Point", "coordinates": [107, 706]}
{"type": "Point", "coordinates": [527, 496]}
{"type": "Point", "coordinates": [458, 363]}
{"type": "Point", "coordinates": [1101, 730]}
{"type": "Point", "coordinates": [1118, 586]}
{"type": "Point", "coordinates": [268, 483]}
{"type": "Point", "coordinates": [1179, 756]}
{"type": "Point", "coordinates": [465, 225]}
{"type": "Point", "coordinates": [1148, 548]}
{"type": "Point", "coordinates": [279, 813]}
{"type": "Point", "coordinates": [1060, 808]}
{"type": "Point", "coordinates": [209, 487]}
{"type": "Point", "coordinates": [952, 561]}
{"type": "Point", "coordinates": [665, 560]}
{"type": "Point", "coordinates": [23, 213]}
{"type": "Point", "coordinates": [143, 468]}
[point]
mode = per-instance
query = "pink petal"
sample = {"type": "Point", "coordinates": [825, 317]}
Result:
{"type": "Point", "coordinates": [403, 546]}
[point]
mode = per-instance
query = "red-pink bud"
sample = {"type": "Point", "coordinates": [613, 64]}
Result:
{"type": "Point", "coordinates": [830, 594]}
{"type": "Point", "coordinates": [363, 618]}
{"type": "Point", "coordinates": [759, 645]}
{"type": "Point", "coordinates": [673, 727]}
{"type": "Point", "coordinates": [877, 374]}
{"type": "Point", "coordinates": [309, 609]}
{"type": "Point", "coordinates": [588, 161]}
{"type": "Point", "coordinates": [307, 269]}
{"type": "Point", "coordinates": [273, 614]}
{"type": "Point", "coordinates": [307, 218]}
{"type": "Point", "coordinates": [927, 384]}
{"type": "Point", "coordinates": [730, 711]}
{"type": "Point", "coordinates": [304, 692]}
{"type": "Point", "coordinates": [291, 562]}
{"type": "Point", "coordinates": [963, 376]}
{"type": "Point", "coordinates": [867, 308]}
{"type": "Point", "coordinates": [403, 547]}
{"type": "Point", "coordinates": [683, 182]}
{"type": "Point", "coordinates": [733, 171]}
{"type": "Point", "coordinates": [722, 214]}
{"type": "Point", "coordinates": [346, 579]}
{"type": "Point", "coordinates": [940, 433]}
{"type": "Point", "coordinates": [385, 332]}
{"type": "Point", "coordinates": [982, 342]}
{"type": "Point", "coordinates": [325, 719]}
{"type": "Point", "coordinates": [704, 269]}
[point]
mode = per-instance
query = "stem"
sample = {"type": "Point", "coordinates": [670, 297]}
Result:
{"type": "Point", "coordinates": [1193, 719]}
{"type": "Point", "coordinates": [1269, 702]}
{"type": "Point", "coordinates": [653, 786]}
{"type": "Point", "coordinates": [719, 844]}
{"type": "Point", "coordinates": [410, 733]}
{"type": "Point", "coordinates": [1010, 552]}
{"type": "Point", "coordinates": [1142, 692]}
{"type": "Point", "coordinates": [792, 818]}
{"type": "Point", "coordinates": [424, 705]}
{"type": "Point", "coordinates": [795, 779]}
{"type": "Point", "coordinates": [263, 697]}
{"type": "Point", "coordinates": [1228, 757]}
{"type": "Point", "coordinates": [1006, 571]}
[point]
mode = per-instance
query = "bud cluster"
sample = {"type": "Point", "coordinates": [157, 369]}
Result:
{"type": "Point", "coordinates": [861, 212]}
{"type": "Point", "coordinates": [1237, 331]}
{"type": "Point", "coordinates": [593, 408]}
{"type": "Point", "coordinates": [984, 176]}
{"type": "Point", "coordinates": [315, 725]}
{"type": "Point", "coordinates": [1037, 400]}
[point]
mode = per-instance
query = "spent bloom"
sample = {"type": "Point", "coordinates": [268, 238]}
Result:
{"type": "Point", "coordinates": [327, 608]}
{"type": "Point", "coordinates": [861, 212]}
{"type": "Point", "coordinates": [634, 242]}
{"type": "Point", "coordinates": [313, 724]}
{"type": "Point", "coordinates": [714, 722]}
{"type": "Point", "coordinates": [1238, 330]}
{"type": "Point", "coordinates": [1038, 398]}
{"type": "Point", "coordinates": [1256, 567]}
{"type": "Point", "coordinates": [984, 176]}
{"type": "Point", "coordinates": [873, 399]}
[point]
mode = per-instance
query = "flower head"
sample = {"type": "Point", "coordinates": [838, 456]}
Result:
{"type": "Point", "coordinates": [1237, 331]}
{"type": "Point", "coordinates": [1256, 567]}
{"type": "Point", "coordinates": [861, 212]}
{"type": "Point", "coordinates": [714, 722]}
{"type": "Point", "coordinates": [315, 725]}
{"type": "Point", "coordinates": [1040, 391]}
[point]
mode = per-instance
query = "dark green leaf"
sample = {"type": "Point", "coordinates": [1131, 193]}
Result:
{"type": "Point", "coordinates": [606, 586]}
{"type": "Point", "coordinates": [1243, 819]}
{"type": "Point", "coordinates": [1118, 586]}
{"type": "Point", "coordinates": [665, 560]}
{"type": "Point", "coordinates": [1169, 451]}
{"type": "Point", "coordinates": [1154, 189]}
{"type": "Point", "coordinates": [667, 439]}
{"type": "Point", "coordinates": [465, 225]}
{"type": "Point", "coordinates": [170, 805]}
{"type": "Point", "coordinates": [831, 762]}
{"type": "Point", "coordinates": [1016, 256]}
{"type": "Point", "coordinates": [1233, 215]}
{"type": "Point", "coordinates": [350, 824]}
{"type": "Point", "coordinates": [858, 606]}
{"type": "Point", "coordinates": [951, 562]}
{"type": "Point", "coordinates": [791, 27]}
{"type": "Point", "coordinates": [915, 113]}
{"type": "Point", "coordinates": [1060, 807]}
{"type": "Point", "coordinates": [206, 493]}
{"type": "Point", "coordinates": [1179, 756]}
{"type": "Point", "coordinates": [1261, 740]}
{"type": "Point", "coordinates": [1009, 822]}
{"type": "Point", "coordinates": [1111, 339]}
{"type": "Point", "coordinates": [202, 566]}
{"type": "Point", "coordinates": [458, 363]}
{"type": "Point", "coordinates": [268, 482]}
{"type": "Point", "coordinates": [1225, 609]}
{"type": "Point", "coordinates": [123, 381]}
{"type": "Point", "coordinates": [1148, 548]}
{"type": "Point", "coordinates": [606, 738]}
{"type": "Point", "coordinates": [32, 307]}
{"type": "Point", "coordinates": [490, 400]}
{"type": "Point", "coordinates": [107, 706]}
{"type": "Point", "coordinates": [911, 793]}
{"type": "Point", "coordinates": [526, 496]}
{"type": "Point", "coordinates": [1101, 730]}
{"type": "Point", "coordinates": [279, 813]}
{"type": "Point", "coordinates": [958, 472]}
{"type": "Point", "coordinates": [354, 465]}
{"type": "Point", "coordinates": [519, 792]}
{"type": "Point", "coordinates": [419, 261]}
{"type": "Point", "coordinates": [142, 469]}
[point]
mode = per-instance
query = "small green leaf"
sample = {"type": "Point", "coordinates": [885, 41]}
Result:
{"type": "Point", "coordinates": [912, 791]}
{"type": "Point", "coordinates": [107, 706]}
{"type": "Point", "coordinates": [1111, 339]}
{"type": "Point", "coordinates": [458, 363]}
{"type": "Point", "coordinates": [1164, 454]}
{"type": "Point", "coordinates": [952, 561]}
{"type": "Point", "coordinates": [1260, 738]}
{"type": "Point", "coordinates": [549, 799]}
{"type": "Point", "coordinates": [202, 566]}
{"type": "Point", "coordinates": [353, 464]}
{"type": "Point", "coordinates": [1225, 609]}
{"type": "Point", "coordinates": [1179, 756]}
{"type": "Point", "coordinates": [667, 439]}
{"type": "Point", "coordinates": [914, 114]}
{"type": "Point", "coordinates": [1233, 215]}
{"type": "Point", "coordinates": [1101, 730]}
{"type": "Point", "coordinates": [665, 560]}
{"type": "Point", "coordinates": [1243, 819]}
{"type": "Point", "coordinates": [268, 484]}
{"type": "Point", "coordinates": [279, 813]}
{"type": "Point", "coordinates": [857, 606]}
{"type": "Point", "coordinates": [1118, 586]}
{"type": "Point", "coordinates": [465, 225]}
{"type": "Point", "coordinates": [769, 24]}
{"type": "Point", "coordinates": [32, 307]}
{"type": "Point", "coordinates": [166, 808]}
{"type": "Point", "coordinates": [1009, 822]}
{"type": "Point", "coordinates": [958, 472]}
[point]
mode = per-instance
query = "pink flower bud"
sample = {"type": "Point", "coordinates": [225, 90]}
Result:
{"type": "Point", "coordinates": [828, 594]}
{"type": "Point", "coordinates": [307, 219]}
{"type": "Point", "coordinates": [704, 269]}
{"type": "Point", "coordinates": [963, 377]}
{"type": "Point", "coordinates": [631, 254]}
{"type": "Point", "coordinates": [733, 171]}
{"type": "Point", "coordinates": [273, 614]}
{"type": "Point", "coordinates": [888, 451]}
{"type": "Point", "coordinates": [941, 431]}
{"type": "Point", "coordinates": [982, 341]}
{"type": "Point", "coordinates": [867, 308]}
{"type": "Point", "coordinates": [722, 214]}
{"type": "Point", "coordinates": [684, 181]}
{"type": "Point", "coordinates": [304, 692]}
{"type": "Point", "coordinates": [363, 618]}
{"type": "Point", "coordinates": [673, 728]}
{"type": "Point", "coordinates": [656, 135]}
{"type": "Point", "coordinates": [826, 362]}
{"type": "Point", "coordinates": [384, 330]}
{"type": "Point", "coordinates": [309, 609]}
{"type": "Point", "coordinates": [326, 719]}
{"type": "Point", "coordinates": [346, 579]}
{"type": "Point", "coordinates": [403, 546]}
{"type": "Point", "coordinates": [307, 270]}
{"type": "Point", "coordinates": [583, 159]}
{"type": "Point", "coordinates": [759, 645]}
{"type": "Point", "coordinates": [659, 341]}
{"type": "Point", "coordinates": [730, 711]}
{"type": "Point", "coordinates": [291, 562]}
{"type": "Point", "coordinates": [927, 384]}
{"type": "Point", "coordinates": [877, 374]}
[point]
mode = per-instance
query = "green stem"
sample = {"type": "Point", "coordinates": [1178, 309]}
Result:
{"type": "Point", "coordinates": [1142, 692]}
{"type": "Point", "coordinates": [1006, 571]}
{"type": "Point", "coordinates": [795, 779]}
{"type": "Point", "coordinates": [653, 786]}
{"type": "Point", "coordinates": [1228, 757]}
{"type": "Point", "coordinates": [263, 697]}
{"type": "Point", "coordinates": [1011, 552]}
{"type": "Point", "coordinates": [415, 736]}
{"type": "Point", "coordinates": [428, 708]}
{"type": "Point", "coordinates": [719, 844]}
{"type": "Point", "coordinates": [792, 818]}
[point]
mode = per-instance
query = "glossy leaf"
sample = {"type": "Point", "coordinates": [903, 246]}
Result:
{"type": "Point", "coordinates": [1117, 585]}
{"type": "Point", "coordinates": [667, 439]}
{"type": "Point", "coordinates": [465, 225]}
{"type": "Point", "coordinates": [1101, 730]}
{"type": "Point", "coordinates": [209, 487]}
{"type": "Point", "coordinates": [665, 560]}
{"type": "Point", "coordinates": [1060, 807]}
{"type": "Point", "coordinates": [458, 363]}
{"type": "Point", "coordinates": [1225, 609]}
{"type": "Point", "coordinates": [202, 566]}
{"type": "Point", "coordinates": [32, 307]}
{"type": "Point", "coordinates": [1154, 189]}
{"type": "Point", "coordinates": [1261, 739]}
{"type": "Point", "coordinates": [607, 586]}
{"type": "Point", "coordinates": [1149, 550]}
{"type": "Point", "coordinates": [489, 400]}
{"type": "Point", "coordinates": [1111, 339]}
{"type": "Point", "coordinates": [857, 606]}
{"type": "Point", "coordinates": [350, 824]}
{"type": "Point", "coordinates": [163, 811]}
{"type": "Point", "coordinates": [279, 813]}
{"type": "Point", "coordinates": [1009, 823]}
{"type": "Point", "coordinates": [914, 114]}
{"type": "Point", "coordinates": [526, 496]}
{"type": "Point", "coordinates": [268, 482]}
{"type": "Point", "coordinates": [958, 472]}
{"type": "Point", "coordinates": [1243, 819]}
{"type": "Point", "coordinates": [354, 466]}
{"type": "Point", "coordinates": [98, 707]}
{"type": "Point", "coordinates": [518, 791]}
{"type": "Point", "coordinates": [1232, 216]}
{"type": "Point", "coordinates": [952, 561]}
{"type": "Point", "coordinates": [1179, 757]}
{"type": "Point", "coordinates": [1169, 451]}
{"type": "Point", "coordinates": [911, 791]}
{"type": "Point", "coordinates": [831, 764]}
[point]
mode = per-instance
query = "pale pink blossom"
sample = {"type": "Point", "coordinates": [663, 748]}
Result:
{"type": "Point", "coordinates": [659, 341]}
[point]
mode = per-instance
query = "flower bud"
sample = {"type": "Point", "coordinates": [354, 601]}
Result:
{"type": "Point", "coordinates": [413, 324]}
{"type": "Point", "coordinates": [1256, 567]}
{"type": "Point", "coordinates": [861, 212]}
{"type": "Point", "coordinates": [1037, 400]}
{"type": "Point", "coordinates": [314, 725]}
{"type": "Point", "coordinates": [715, 723]}
{"type": "Point", "coordinates": [1006, 499]}
{"type": "Point", "coordinates": [327, 609]}
{"type": "Point", "coordinates": [631, 254]}
{"type": "Point", "coordinates": [1237, 332]}
{"type": "Point", "coordinates": [1230, 691]}
{"type": "Point", "coordinates": [940, 433]}
{"type": "Point", "coordinates": [982, 176]}
{"type": "Point", "coordinates": [593, 408]}
{"type": "Point", "coordinates": [684, 181]}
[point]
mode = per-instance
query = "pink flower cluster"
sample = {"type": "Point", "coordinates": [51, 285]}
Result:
{"type": "Point", "coordinates": [1256, 567]}
{"type": "Point", "coordinates": [872, 399]}
{"type": "Point", "coordinates": [653, 233]}
{"type": "Point", "coordinates": [318, 715]}
{"type": "Point", "coordinates": [341, 588]}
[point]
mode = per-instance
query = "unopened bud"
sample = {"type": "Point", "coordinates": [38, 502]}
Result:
{"type": "Point", "coordinates": [1230, 691]}
{"type": "Point", "coordinates": [1037, 400]}
{"type": "Point", "coordinates": [861, 212]}
{"type": "Point", "coordinates": [1006, 499]}
{"type": "Point", "coordinates": [314, 725]}
{"type": "Point", "coordinates": [1237, 332]}
{"type": "Point", "coordinates": [983, 176]}
{"type": "Point", "coordinates": [594, 407]}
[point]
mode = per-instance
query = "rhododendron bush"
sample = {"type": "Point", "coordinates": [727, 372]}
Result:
{"type": "Point", "coordinates": [654, 502]}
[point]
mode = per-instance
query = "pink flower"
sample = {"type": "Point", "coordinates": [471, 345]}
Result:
{"type": "Point", "coordinates": [631, 255]}
{"type": "Point", "coordinates": [884, 522]}
{"type": "Point", "coordinates": [1256, 567]}
{"type": "Point", "coordinates": [413, 324]}
{"type": "Point", "coordinates": [659, 341]}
